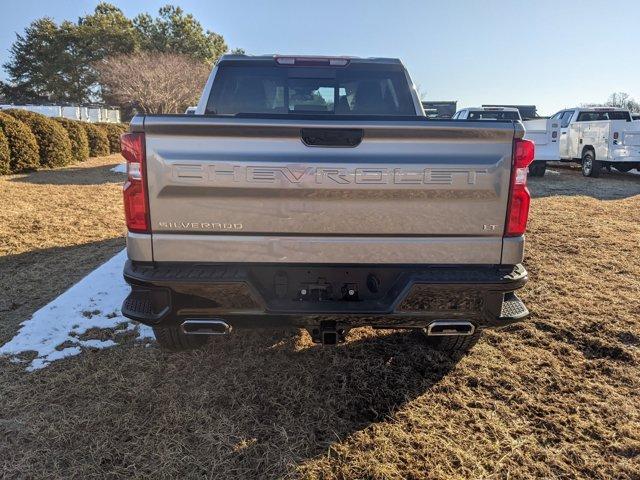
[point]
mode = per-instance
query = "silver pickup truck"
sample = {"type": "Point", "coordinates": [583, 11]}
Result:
{"type": "Point", "coordinates": [312, 192]}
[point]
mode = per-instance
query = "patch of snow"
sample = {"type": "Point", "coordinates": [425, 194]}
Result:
{"type": "Point", "coordinates": [94, 343]}
{"type": "Point", "coordinates": [39, 363]}
{"type": "Point", "coordinates": [93, 302]}
{"type": "Point", "coordinates": [120, 168]}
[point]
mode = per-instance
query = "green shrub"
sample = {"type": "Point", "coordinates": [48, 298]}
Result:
{"type": "Point", "coordinates": [5, 158]}
{"type": "Point", "coordinates": [98, 140]}
{"type": "Point", "coordinates": [113, 131]}
{"type": "Point", "coordinates": [54, 145]}
{"type": "Point", "coordinates": [78, 137]}
{"type": "Point", "coordinates": [23, 146]}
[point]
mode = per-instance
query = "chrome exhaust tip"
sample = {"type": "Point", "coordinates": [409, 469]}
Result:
{"type": "Point", "coordinates": [450, 328]}
{"type": "Point", "coordinates": [205, 327]}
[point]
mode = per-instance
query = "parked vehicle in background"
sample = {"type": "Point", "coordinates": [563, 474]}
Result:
{"type": "Point", "coordinates": [313, 192]}
{"type": "Point", "coordinates": [599, 137]}
{"type": "Point", "coordinates": [543, 132]}
{"type": "Point", "coordinates": [439, 109]}
{"type": "Point", "coordinates": [635, 116]}
{"type": "Point", "coordinates": [527, 112]}
{"type": "Point", "coordinates": [488, 113]}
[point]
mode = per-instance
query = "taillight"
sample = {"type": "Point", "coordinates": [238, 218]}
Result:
{"type": "Point", "coordinates": [136, 209]}
{"type": "Point", "coordinates": [616, 135]}
{"type": "Point", "coordinates": [519, 197]}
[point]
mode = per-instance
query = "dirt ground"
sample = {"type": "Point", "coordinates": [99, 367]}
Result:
{"type": "Point", "coordinates": [557, 396]}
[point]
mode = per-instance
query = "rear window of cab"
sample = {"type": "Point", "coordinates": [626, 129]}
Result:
{"type": "Point", "coordinates": [333, 91]}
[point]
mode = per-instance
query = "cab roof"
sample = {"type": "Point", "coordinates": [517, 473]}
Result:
{"type": "Point", "coordinates": [491, 109]}
{"type": "Point", "coordinates": [598, 109]}
{"type": "Point", "coordinates": [307, 58]}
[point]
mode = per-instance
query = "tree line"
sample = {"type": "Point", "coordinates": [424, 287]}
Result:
{"type": "Point", "coordinates": [619, 100]}
{"type": "Point", "coordinates": [150, 64]}
{"type": "Point", "coordinates": [147, 64]}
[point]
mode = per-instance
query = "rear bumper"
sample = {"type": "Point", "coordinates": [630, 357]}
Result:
{"type": "Point", "coordinates": [277, 295]}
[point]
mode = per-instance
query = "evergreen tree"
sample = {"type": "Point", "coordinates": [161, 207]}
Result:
{"type": "Point", "coordinates": [38, 70]}
{"type": "Point", "coordinates": [57, 63]}
{"type": "Point", "coordinates": [173, 31]}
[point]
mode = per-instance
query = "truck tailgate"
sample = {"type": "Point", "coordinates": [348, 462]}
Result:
{"type": "Point", "coordinates": [233, 189]}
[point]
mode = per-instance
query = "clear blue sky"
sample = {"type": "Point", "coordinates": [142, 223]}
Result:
{"type": "Point", "coordinates": [551, 53]}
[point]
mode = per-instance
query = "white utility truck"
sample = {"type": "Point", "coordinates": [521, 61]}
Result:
{"type": "Point", "coordinates": [543, 132]}
{"type": "Point", "coordinates": [599, 137]}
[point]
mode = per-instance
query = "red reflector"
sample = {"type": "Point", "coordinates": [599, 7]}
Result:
{"type": "Point", "coordinates": [519, 197]}
{"type": "Point", "coordinates": [615, 135]}
{"type": "Point", "coordinates": [518, 212]}
{"type": "Point", "coordinates": [135, 206]}
{"type": "Point", "coordinates": [134, 191]}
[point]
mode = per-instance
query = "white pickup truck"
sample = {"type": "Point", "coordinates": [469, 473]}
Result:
{"type": "Point", "coordinates": [313, 192]}
{"type": "Point", "coordinates": [543, 132]}
{"type": "Point", "coordinates": [599, 137]}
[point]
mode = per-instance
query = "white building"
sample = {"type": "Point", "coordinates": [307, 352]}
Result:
{"type": "Point", "coordinates": [85, 114]}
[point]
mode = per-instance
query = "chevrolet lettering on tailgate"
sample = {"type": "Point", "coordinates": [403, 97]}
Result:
{"type": "Point", "coordinates": [325, 175]}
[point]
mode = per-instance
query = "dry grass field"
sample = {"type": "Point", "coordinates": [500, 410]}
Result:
{"type": "Point", "coordinates": [555, 397]}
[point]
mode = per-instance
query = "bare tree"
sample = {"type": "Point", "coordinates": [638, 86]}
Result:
{"type": "Point", "coordinates": [152, 82]}
{"type": "Point", "coordinates": [622, 100]}
{"type": "Point", "coordinates": [619, 100]}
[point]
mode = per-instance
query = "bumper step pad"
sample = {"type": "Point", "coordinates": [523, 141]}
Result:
{"type": "Point", "coordinates": [513, 308]}
{"type": "Point", "coordinates": [147, 306]}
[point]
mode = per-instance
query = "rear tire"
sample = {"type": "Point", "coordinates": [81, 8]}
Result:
{"type": "Point", "coordinates": [537, 169]}
{"type": "Point", "coordinates": [173, 339]}
{"type": "Point", "coordinates": [454, 344]}
{"type": "Point", "coordinates": [590, 166]}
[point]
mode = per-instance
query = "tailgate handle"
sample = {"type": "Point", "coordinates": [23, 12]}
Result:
{"type": "Point", "coordinates": [331, 137]}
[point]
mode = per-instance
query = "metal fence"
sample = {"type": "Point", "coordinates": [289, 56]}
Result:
{"type": "Point", "coordinates": [85, 114]}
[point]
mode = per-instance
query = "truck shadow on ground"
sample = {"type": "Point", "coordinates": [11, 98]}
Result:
{"type": "Point", "coordinates": [253, 405]}
{"type": "Point", "coordinates": [75, 175]}
{"type": "Point", "coordinates": [565, 180]}
{"type": "Point", "coordinates": [288, 400]}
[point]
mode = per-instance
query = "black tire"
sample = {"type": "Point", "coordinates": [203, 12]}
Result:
{"type": "Point", "coordinates": [454, 344]}
{"type": "Point", "coordinates": [537, 169]}
{"type": "Point", "coordinates": [624, 167]}
{"type": "Point", "coordinates": [173, 339]}
{"type": "Point", "coordinates": [590, 166]}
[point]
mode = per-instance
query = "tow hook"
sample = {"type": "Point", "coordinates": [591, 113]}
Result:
{"type": "Point", "coordinates": [327, 333]}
